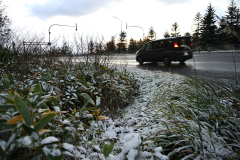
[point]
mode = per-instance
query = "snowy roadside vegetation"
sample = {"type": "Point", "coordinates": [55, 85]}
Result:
{"type": "Point", "coordinates": [114, 113]}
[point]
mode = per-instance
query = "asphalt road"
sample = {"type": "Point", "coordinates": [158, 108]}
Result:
{"type": "Point", "coordinates": [214, 66]}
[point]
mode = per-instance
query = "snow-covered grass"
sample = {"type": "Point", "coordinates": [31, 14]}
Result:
{"type": "Point", "coordinates": [186, 118]}
{"type": "Point", "coordinates": [171, 117]}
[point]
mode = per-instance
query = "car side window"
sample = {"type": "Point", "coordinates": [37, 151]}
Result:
{"type": "Point", "coordinates": [148, 47]}
{"type": "Point", "coordinates": [170, 44]}
{"type": "Point", "coordinates": [162, 44]}
{"type": "Point", "coordinates": [156, 45]}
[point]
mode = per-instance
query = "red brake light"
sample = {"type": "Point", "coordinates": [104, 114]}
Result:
{"type": "Point", "coordinates": [175, 45]}
{"type": "Point", "coordinates": [191, 44]}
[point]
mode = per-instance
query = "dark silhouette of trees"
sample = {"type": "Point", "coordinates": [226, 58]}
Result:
{"type": "Point", "coordinates": [208, 28]}
{"type": "Point", "coordinates": [151, 33]}
{"type": "Point", "coordinates": [132, 47]}
{"type": "Point", "coordinates": [122, 44]}
{"type": "Point", "coordinates": [111, 46]}
{"type": "Point", "coordinates": [175, 30]}
{"type": "Point", "coordinates": [166, 34]}
{"type": "Point", "coordinates": [232, 17]}
{"type": "Point", "coordinates": [197, 23]}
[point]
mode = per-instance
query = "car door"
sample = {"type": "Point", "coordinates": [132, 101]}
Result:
{"type": "Point", "coordinates": [147, 53]}
{"type": "Point", "coordinates": [159, 49]}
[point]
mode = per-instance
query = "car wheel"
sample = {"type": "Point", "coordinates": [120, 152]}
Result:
{"type": "Point", "coordinates": [140, 60]}
{"type": "Point", "coordinates": [182, 61]}
{"type": "Point", "coordinates": [166, 61]}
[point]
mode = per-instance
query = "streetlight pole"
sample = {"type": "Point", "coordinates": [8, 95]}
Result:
{"type": "Point", "coordinates": [49, 43]}
{"type": "Point", "coordinates": [138, 27]}
{"type": "Point", "coordinates": [120, 33]}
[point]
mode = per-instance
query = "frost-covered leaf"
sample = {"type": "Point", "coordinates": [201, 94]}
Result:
{"type": "Point", "coordinates": [8, 107]}
{"type": "Point", "coordinates": [9, 97]}
{"type": "Point", "coordinates": [2, 147]}
{"type": "Point", "coordinates": [107, 148]}
{"type": "Point", "coordinates": [26, 141]}
{"type": "Point", "coordinates": [98, 101]}
{"type": "Point", "coordinates": [52, 152]}
{"type": "Point", "coordinates": [31, 132]}
{"type": "Point", "coordinates": [68, 147]}
{"type": "Point", "coordinates": [72, 129]}
{"type": "Point", "coordinates": [89, 99]}
{"type": "Point", "coordinates": [49, 140]}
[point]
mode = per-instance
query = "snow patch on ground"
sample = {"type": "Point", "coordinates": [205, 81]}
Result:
{"type": "Point", "coordinates": [140, 120]}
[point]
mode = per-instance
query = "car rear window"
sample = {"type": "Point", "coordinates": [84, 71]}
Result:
{"type": "Point", "coordinates": [184, 41]}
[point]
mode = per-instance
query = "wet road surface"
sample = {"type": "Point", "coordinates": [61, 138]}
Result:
{"type": "Point", "coordinates": [214, 66]}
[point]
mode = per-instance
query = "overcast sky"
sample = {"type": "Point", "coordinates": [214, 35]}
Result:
{"type": "Point", "coordinates": [95, 17]}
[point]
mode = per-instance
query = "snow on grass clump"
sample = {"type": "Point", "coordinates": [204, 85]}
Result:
{"type": "Point", "coordinates": [177, 113]}
{"type": "Point", "coordinates": [168, 117]}
{"type": "Point", "coordinates": [140, 121]}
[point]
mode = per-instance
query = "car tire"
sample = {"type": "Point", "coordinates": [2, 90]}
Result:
{"type": "Point", "coordinates": [140, 60]}
{"type": "Point", "coordinates": [166, 61]}
{"type": "Point", "coordinates": [182, 61]}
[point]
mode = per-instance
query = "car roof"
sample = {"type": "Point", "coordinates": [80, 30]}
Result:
{"type": "Point", "coordinates": [170, 38]}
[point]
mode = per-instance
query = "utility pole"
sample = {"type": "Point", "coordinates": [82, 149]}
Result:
{"type": "Point", "coordinates": [120, 34]}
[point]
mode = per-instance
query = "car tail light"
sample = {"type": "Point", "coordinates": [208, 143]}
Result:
{"type": "Point", "coordinates": [175, 45]}
{"type": "Point", "coordinates": [191, 44]}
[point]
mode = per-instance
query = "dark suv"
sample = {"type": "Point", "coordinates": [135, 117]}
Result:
{"type": "Point", "coordinates": [166, 50]}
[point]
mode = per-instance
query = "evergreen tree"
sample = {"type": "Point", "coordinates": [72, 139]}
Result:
{"type": "Point", "coordinates": [132, 47]}
{"type": "Point", "coordinates": [232, 17]}
{"type": "Point", "coordinates": [111, 46]}
{"type": "Point", "coordinates": [187, 34]}
{"type": "Point", "coordinates": [91, 46]}
{"type": "Point", "coordinates": [151, 33]}
{"type": "Point", "coordinates": [208, 27]}
{"type": "Point", "coordinates": [223, 32]}
{"type": "Point", "coordinates": [175, 29]}
{"type": "Point", "coordinates": [146, 39]}
{"type": "Point", "coordinates": [197, 23]}
{"type": "Point", "coordinates": [139, 44]}
{"type": "Point", "coordinates": [166, 34]}
{"type": "Point", "coordinates": [122, 45]}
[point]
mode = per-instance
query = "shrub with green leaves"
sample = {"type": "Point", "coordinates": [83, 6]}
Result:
{"type": "Point", "coordinates": [55, 114]}
{"type": "Point", "coordinates": [39, 132]}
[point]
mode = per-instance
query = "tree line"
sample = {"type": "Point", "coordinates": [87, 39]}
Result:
{"type": "Point", "coordinates": [208, 30]}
